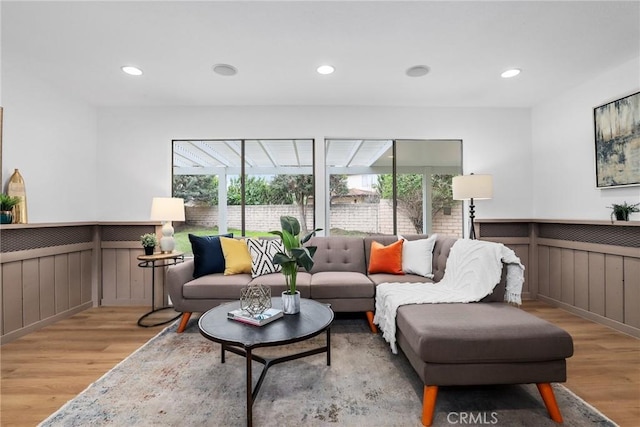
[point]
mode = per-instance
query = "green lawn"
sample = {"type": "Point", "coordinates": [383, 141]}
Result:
{"type": "Point", "coordinates": [182, 236]}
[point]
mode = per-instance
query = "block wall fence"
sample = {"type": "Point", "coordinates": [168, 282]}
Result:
{"type": "Point", "coordinates": [370, 218]}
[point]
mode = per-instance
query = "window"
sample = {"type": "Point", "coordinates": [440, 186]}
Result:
{"type": "Point", "coordinates": [355, 169]}
{"type": "Point", "coordinates": [242, 186]}
{"type": "Point", "coordinates": [393, 186]}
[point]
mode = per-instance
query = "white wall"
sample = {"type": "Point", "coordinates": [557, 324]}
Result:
{"type": "Point", "coordinates": [76, 161]}
{"type": "Point", "coordinates": [134, 146]}
{"type": "Point", "coordinates": [51, 137]}
{"type": "Point", "coordinates": [564, 180]}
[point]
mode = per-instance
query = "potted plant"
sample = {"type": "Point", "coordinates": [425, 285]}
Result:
{"type": "Point", "coordinates": [622, 212]}
{"type": "Point", "coordinates": [149, 242]}
{"type": "Point", "coordinates": [295, 255]}
{"type": "Point", "coordinates": [6, 208]}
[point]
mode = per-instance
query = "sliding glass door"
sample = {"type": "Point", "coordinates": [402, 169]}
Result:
{"type": "Point", "coordinates": [392, 186]}
{"type": "Point", "coordinates": [242, 186]}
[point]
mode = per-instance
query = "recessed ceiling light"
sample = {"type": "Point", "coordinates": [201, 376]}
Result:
{"type": "Point", "coordinates": [417, 71]}
{"type": "Point", "coordinates": [510, 73]}
{"type": "Point", "coordinates": [325, 69]}
{"type": "Point", "coordinates": [133, 71]}
{"type": "Point", "coordinates": [225, 69]}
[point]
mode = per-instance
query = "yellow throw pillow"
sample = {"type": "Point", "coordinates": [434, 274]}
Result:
{"type": "Point", "coordinates": [237, 258]}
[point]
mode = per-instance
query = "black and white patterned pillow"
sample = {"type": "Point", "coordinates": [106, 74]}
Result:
{"type": "Point", "coordinates": [262, 252]}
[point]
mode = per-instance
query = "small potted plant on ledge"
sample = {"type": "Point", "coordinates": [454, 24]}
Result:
{"type": "Point", "coordinates": [149, 242]}
{"type": "Point", "coordinates": [622, 212]}
{"type": "Point", "coordinates": [6, 208]}
{"type": "Point", "coordinates": [295, 255]}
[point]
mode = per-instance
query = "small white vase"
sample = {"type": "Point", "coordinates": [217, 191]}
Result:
{"type": "Point", "coordinates": [291, 303]}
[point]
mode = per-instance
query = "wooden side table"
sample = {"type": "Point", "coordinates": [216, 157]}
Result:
{"type": "Point", "coordinates": [158, 260]}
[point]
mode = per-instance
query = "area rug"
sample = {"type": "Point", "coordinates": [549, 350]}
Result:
{"type": "Point", "coordinates": [178, 380]}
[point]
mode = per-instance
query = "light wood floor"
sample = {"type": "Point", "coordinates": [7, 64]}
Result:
{"type": "Point", "coordinates": [45, 369]}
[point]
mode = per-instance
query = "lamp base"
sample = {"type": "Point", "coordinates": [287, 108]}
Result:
{"type": "Point", "coordinates": [167, 242]}
{"type": "Point", "coordinates": [472, 229]}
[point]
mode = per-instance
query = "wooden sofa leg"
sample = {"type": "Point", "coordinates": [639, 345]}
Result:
{"type": "Point", "coordinates": [429, 397]}
{"type": "Point", "coordinates": [183, 322]}
{"type": "Point", "coordinates": [546, 391]}
{"type": "Point", "coordinates": [374, 328]}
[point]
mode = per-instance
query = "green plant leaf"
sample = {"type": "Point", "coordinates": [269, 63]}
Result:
{"type": "Point", "coordinates": [277, 233]}
{"type": "Point", "coordinates": [290, 224]}
{"type": "Point", "coordinates": [289, 240]}
{"type": "Point", "coordinates": [306, 238]}
{"type": "Point", "coordinates": [312, 250]}
{"type": "Point", "coordinates": [296, 254]}
{"type": "Point", "coordinates": [8, 202]}
{"type": "Point", "coordinates": [303, 257]}
{"type": "Point", "coordinates": [283, 259]}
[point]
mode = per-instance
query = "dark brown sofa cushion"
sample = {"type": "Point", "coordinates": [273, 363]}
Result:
{"type": "Point", "coordinates": [480, 333]}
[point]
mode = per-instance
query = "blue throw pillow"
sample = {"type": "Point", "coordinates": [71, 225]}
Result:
{"type": "Point", "coordinates": [207, 254]}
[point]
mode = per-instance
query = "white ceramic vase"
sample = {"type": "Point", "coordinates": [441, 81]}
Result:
{"type": "Point", "coordinates": [291, 303]}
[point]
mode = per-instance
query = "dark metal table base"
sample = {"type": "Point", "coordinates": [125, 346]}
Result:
{"type": "Point", "coordinates": [149, 261]}
{"type": "Point", "coordinates": [252, 392]}
{"type": "Point", "coordinates": [155, 310]}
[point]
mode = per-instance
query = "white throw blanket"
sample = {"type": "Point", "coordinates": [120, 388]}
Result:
{"type": "Point", "coordinates": [473, 269]}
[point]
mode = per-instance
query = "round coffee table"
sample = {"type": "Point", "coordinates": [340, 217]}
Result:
{"type": "Point", "coordinates": [240, 338]}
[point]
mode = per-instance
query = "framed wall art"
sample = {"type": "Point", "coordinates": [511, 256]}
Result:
{"type": "Point", "coordinates": [617, 137]}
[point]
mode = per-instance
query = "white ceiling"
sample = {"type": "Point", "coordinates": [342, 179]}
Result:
{"type": "Point", "coordinates": [79, 46]}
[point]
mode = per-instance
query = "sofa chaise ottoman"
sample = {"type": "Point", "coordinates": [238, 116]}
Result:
{"type": "Point", "coordinates": [483, 343]}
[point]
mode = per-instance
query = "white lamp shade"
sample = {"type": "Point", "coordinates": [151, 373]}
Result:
{"type": "Point", "coordinates": [475, 187]}
{"type": "Point", "coordinates": [167, 209]}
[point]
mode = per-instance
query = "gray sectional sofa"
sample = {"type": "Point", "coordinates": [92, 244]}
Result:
{"type": "Point", "coordinates": [339, 277]}
{"type": "Point", "coordinates": [490, 342]}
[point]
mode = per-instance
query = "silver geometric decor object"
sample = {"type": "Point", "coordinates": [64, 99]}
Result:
{"type": "Point", "coordinates": [255, 299]}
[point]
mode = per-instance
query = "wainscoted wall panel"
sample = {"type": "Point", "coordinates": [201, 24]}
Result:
{"type": "Point", "coordinates": [543, 270]}
{"type": "Point", "coordinates": [52, 271]}
{"type": "Point", "coordinates": [48, 272]}
{"type": "Point", "coordinates": [47, 287]}
{"type": "Point", "coordinates": [16, 238]}
{"type": "Point", "coordinates": [567, 268]}
{"type": "Point", "coordinates": [40, 288]}
{"type": "Point", "coordinates": [605, 234]}
{"type": "Point", "coordinates": [11, 297]}
{"type": "Point", "coordinates": [61, 280]}
{"type": "Point", "coordinates": [123, 273]}
{"type": "Point", "coordinates": [555, 273]}
{"type": "Point", "coordinates": [505, 229]}
{"type": "Point", "coordinates": [596, 283]}
{"type": "Point", "coordinates": [123, 281]}
{"type": "Point", "coordinates": [613, 285]}
{"type": "Point", "coordinates": [591, 268]}
{"type": "Point", "coordinates": [632, 292]}
{"type": "Point", "coordinates": [30, 291]}
{"type": "Point", "coordinates": [581, 279]}
{"type": "Point", "coordinates": [522, 252]}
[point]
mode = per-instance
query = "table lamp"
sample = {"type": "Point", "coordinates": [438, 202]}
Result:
{"type": "Point", "coordinates": [167, 209]}
{"type": "Point", "coordinates": [469, 187]}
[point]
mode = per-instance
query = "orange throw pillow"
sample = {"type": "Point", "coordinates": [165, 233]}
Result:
{"type": "Point", "coordinates": [386, 259]}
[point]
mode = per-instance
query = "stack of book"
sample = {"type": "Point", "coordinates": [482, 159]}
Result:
{"type": "Point", "coordinates": [255, 319]}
